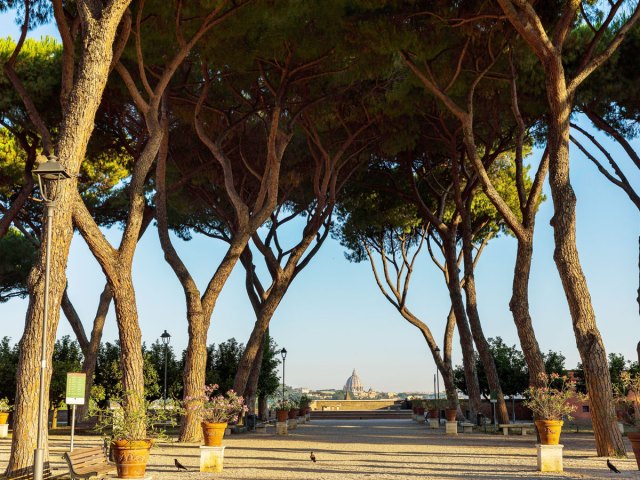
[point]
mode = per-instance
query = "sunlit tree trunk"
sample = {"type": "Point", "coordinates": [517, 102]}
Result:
{"type": "Point", "coordinates": [74, 133]}
{"type": "Point", "coordinates": [519, 306]}
{"type": "Point", "coordinates": [588, 340]}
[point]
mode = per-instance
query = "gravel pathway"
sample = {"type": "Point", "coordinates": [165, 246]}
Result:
{"type": "Point", "coordinates": [368, 449]}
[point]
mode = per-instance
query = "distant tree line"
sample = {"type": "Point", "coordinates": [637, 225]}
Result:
{"type": "Point", "coordinates": [514, 374]}
{"type": "Point", "coordinates": [222, 365]}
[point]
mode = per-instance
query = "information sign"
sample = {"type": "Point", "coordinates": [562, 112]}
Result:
{"type": "Point", "coordinates": [75, 388]}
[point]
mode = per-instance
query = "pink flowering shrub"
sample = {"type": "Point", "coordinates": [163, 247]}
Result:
{"type": "Point", "coordinates": [215, 407]}
{"type": "Point", "coordinates": [551, 402]}
{"type": "Point", "coordinates": [628, 397]}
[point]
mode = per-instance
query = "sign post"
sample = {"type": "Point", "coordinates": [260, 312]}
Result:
{"type": "Point", "coordinates": [494, 400]}
{"type": "Point", "coordinates": [75, 396]}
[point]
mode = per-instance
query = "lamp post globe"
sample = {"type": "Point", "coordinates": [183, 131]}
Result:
{"type": "Point", "coordinates": [49, 173]}
{"type": "Point", "coordinates": [165, 338]}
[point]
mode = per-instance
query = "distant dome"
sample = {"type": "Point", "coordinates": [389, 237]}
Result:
{"type": "Point", "coordinates": [353, 385]}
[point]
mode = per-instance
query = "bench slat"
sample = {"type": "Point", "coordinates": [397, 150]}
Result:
{"type": "Point", "coordinates": [88, 462]}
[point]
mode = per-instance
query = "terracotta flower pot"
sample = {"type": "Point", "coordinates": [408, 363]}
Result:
{"type": "Point", "coordinates": [450, 414]}
{"type": "Point", "coordinates": [293, 413]}
{"type": "Point", "coordinates": [213, 433]}
{"type": "Point", "coordinates": [131, 457]}
{"type": "Point", "coordinates": [4, 416]}
{"type": "Point", "coordinates": [282, 415]}
{"type": "Point", "coordinates": [549, 431]}
{"type": "Point", "coordinates": [434, 413]}
{"type": "Point", "coordinates": [634, 438]}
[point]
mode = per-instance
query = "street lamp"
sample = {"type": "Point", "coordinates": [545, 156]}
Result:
{"type": "Point", "coordinates": [437, 352]}
{"type": "Point", "coordinates": [283, 352]}
{"type": "Point", "coordinates": [166, 338]}
{"type": "Point", "coordinates": [49, 173]}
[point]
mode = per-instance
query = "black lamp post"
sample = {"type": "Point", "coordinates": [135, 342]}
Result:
{"type": "Point", "coordinates": [166, 338]}
{"type": "Point", "coordinates": [49, 173]}
{"type": "Point", "coordinates": [283, 352]}
{"type": "Point", "coordinates": [437, 351]}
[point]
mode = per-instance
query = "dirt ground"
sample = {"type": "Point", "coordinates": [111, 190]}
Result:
{"type": "Point", "coordinates": [367, 449]}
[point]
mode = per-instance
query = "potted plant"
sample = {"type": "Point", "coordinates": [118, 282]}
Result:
{"type": "Point", "coordinates": [216, 411]}
{"type": "Point", "coordinates": [550, 404]}
{"type": "Point", "coordinates": [5, 408]}
{"type": "Point", "coordinates": [121, 426]}
{"type": "Point", "coordinates": [631, 384]}
{"type": "Point", "coordinates": [432, 409]}
{"type": "Point", "coordinates": [282, 410]}
{"type": "Point", "coordinates": [303, 405]}
{"type": "Point", "coordinates": [418, 406]}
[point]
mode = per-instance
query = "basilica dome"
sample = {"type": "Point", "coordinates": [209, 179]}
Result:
{"type": "Point", "coordinates": [353, 385]}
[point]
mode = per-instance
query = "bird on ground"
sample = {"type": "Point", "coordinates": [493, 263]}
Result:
{"type": "Point", "coordinates": [179, 466]}
{"type": "Point", "coordinates": [612, 467]}
{"type": "Point", "coordinates": [312, 457]}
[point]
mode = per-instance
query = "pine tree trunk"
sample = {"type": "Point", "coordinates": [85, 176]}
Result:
{"type": "Point", "coordinates": [130, 337]}
{"type": "Point", "coordinates": [263, 408]}
{"type": "Point", "coordinates": [451, 391]}
{"type": "Point", "coordinates": [466, 340]}
{"type": "Point", "coordinates": [91, 355]}
{"type": "Point", "coordinates": [254, 377]}
{"type": "Point", "coordinates": [25, 417]}
{"type": "Point", "coordinates": [589, 342]}
{"type": "Point", "coordinates": [519, 306]}
{"type": "Point", "coordinates": [74, 133]}
{"type": "Point", "coordinates": [256, 340]}
{"type": "Point", "coordinates": [195, 366]}
{"type": "Point", "coordinates": [484, 351]}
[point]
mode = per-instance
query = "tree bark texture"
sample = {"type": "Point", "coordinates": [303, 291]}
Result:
{"type": "Point", "coordinates": [466, 339]}
{"type": "Point", "coordinates": [75, 130]}
{"type": "Point", "coordinates": [484, 351]}
{"type": "Point", "coordinates": [195, 366]}
{"type": "Point", "coordinates": [263, 408]}
{"type": "Point", "coordinates": [25, 417]}
{"type": "Point", "coordinates": [588, 340]}
{"type": "Point", "coordinates": [256, 339]}
{"type": "Point", "coordinates": [91, 355]}
{"type": "Point", "coordinates": [519, 306]}
{"type": "Point", "coordinates": [130, 336]}
{"type": "Point", "coordinates": [254, 377]}
{"type": "Point", "coordinates": [452, 395]}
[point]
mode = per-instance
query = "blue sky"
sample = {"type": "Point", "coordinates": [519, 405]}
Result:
{"type": "Point", "coordinates": [333, 319]}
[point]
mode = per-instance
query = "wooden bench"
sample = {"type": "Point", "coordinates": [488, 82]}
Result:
{"type": "Point", "coordinates": [261, 427]}
{"type": "Point", "coordinates": [88, 462]}
{"type": "Point", "coordinates": [467, 427]}
{"type": "Point", "coordinates": [522, 426]}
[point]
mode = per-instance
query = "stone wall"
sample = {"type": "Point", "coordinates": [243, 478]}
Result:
{"type": "Point", "coordinates": [353, 405]}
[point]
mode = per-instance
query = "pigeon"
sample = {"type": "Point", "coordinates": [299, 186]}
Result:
{"type": "Point", "coordinates": [179, 466]}
{"type": "Point", "coordinates": [312, 457]}
{"type": "Point", "coordinates": [612, 467]}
